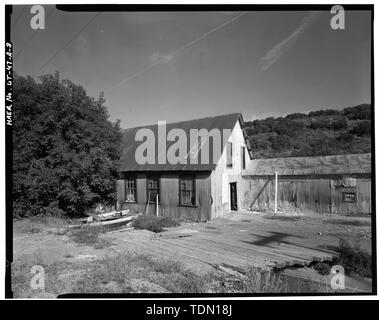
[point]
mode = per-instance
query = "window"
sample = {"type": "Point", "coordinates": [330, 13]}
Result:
{"type": "Point", "coordinates": [187, 192]}
{"type": "Point", "coordinates": [130, 189]}
{"type": "Point", "coordinates": [243, 158]}
{"type": "Point", "coordinates": [153, 189]}
{"type": "Point", "coordinates": [229, 155]}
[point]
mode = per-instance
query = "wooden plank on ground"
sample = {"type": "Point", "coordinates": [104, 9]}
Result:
{"type": "Point", "coordinates": [258, 251]}
{"type": "Point", "coordinates": [248, 253]}
{"type": "Point", "coordinates": [185, 255]}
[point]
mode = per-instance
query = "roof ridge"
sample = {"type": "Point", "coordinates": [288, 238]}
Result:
{"type": "Point", "coordinates": [196, 119]}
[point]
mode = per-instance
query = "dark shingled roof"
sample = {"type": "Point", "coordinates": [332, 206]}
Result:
{"type": "Point", "coordinates": [129, 145]}
{"type": "Point", "coordinates": [339, 164]}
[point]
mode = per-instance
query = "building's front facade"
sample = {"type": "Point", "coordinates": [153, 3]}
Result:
{"type": "Point", "coordinates": [198, 192]}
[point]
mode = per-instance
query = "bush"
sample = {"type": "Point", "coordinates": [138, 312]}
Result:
{"type": "Point", "coordinates": [361, 112]}
{"type": "Point", "coordinates": [259, 141]}
{"type": "Point", "coordinates": [280, 142]}
{"type": "Point", "coordinates": [354, 259]}
{"type": "Point", "coordinates": [65, 148]}
{"type": "Point", "coordinates": [322, 268]}
{"type": "Point", "coordinates": [345, 137]}
{"type": "Point", "coordinates": [319, 124]}
{"type": "Point", "coordinates": [326, 112]}
{"type": "Point", "coordinates": [153, 223]}
{"type": "Point", "coordinates": [293, 116]}
{"type": "Point", "coordinates": [339, 124]}
{"type": "Point", "coordinates": [287, 127]}
{"type": "Point", "coordinates": [362, 128]}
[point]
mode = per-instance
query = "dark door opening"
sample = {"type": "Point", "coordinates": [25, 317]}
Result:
{"type": "Point", "coordinates": [233, 196]}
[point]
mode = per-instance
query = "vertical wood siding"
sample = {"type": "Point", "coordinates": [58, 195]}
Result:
{"type": "Point", "coordinates": [317, 195]}
{"type": "Point", "coordinates": [169, 197]}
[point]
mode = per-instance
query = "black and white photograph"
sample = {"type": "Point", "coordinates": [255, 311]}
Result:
{"type": "Point", "coordinates": [189, 151]}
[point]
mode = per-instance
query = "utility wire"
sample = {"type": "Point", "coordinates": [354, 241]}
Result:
{"type": "Point", "coordinates": [18, 17]}
{"type": "Point", "coordinates": [148, 67]}
{"type": "Point", "coordinates": [31, 38]}
{"type": "Point", "coordinates": [67, 44]}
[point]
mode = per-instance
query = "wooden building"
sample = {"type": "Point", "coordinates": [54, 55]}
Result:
{"type": "Point", "coordinates": [232, 179]}
{"type": "Point", "coordinates": [197, 191]}
{"type": "Point", "coordinates": [331, 184]}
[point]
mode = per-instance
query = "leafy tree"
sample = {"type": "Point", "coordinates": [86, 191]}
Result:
{"type": "Point", "coordinates": [339, 124]}
{"type": "Point", "coordinates": [65, 149]}
{"type": "Point", "coordinates": [362, 128]}
{"type": "Point", "coordinates": [319, 124]}
{"type": "Point", "coordinates": [322, 132]}
{"type": "Point", "coordinates": [287, 127]}
{"type": "Point", "coordinates": [294, 116]}
{"type": "Point", "coordinates": [360, 112]}
{"type": "Point", "coordinates": [327, 112]}
{"type": "Point", "coordinates": [280, 142]}
{"type": "Point", "coordinates": [346, 137]}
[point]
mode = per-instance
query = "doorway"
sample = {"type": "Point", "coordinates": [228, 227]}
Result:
{"type": "Point", "coordinates": [233, 196]}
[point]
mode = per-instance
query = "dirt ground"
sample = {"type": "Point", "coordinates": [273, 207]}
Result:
{"type": "Point", "coordinates": [42, 242]}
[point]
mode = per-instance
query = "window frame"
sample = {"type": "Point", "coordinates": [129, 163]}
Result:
{"type": "Point", "coordinates": [149, 177]}
{"type": "Point", "coordinates": [127, 188]}
{"type": "Point", "coordinates": [193, 198]}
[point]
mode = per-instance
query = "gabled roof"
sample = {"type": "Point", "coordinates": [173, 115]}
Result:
{"type": "Point", "coordinates": [338, 164]}
{"type": "Point", "coordinates": [129, 145]}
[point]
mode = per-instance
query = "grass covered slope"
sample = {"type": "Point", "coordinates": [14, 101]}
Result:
{"type": "Point", "coordinates": [318, 133]}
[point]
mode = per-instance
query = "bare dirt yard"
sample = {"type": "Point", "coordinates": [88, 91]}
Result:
{"type": "Point", "coordinates": [241, 253]}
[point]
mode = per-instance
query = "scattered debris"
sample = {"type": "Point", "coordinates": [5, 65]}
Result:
{"type": "Point", "coordinates": [86, 256]}
{"type": "Point", "coordinates": [176, 234]}
{"type": "Point", "coordinates": [109, 220]}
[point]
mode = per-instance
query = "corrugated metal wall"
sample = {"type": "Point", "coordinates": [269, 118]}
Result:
{"type": "Point", "coordinates": [324, 195]}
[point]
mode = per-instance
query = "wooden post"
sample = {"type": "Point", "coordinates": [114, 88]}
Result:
{"type": "Point", "coordinates": [147, 205]}
{"type": "Point", "coordinates": [157, 205]}
{"type": "Point", "coordinates": [276, 192]}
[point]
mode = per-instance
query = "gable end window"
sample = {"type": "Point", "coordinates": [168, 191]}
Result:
{"type": "Point", "coordinates": [187, 191]}
{"type": "Point", "coordinates": [153, 189]}
{"type": "Point", "coordinates": [229, 155]}
{"type": "Point", "coordinates": [243, 158]}
{"type": "Point", "coordinates": [130, 189]}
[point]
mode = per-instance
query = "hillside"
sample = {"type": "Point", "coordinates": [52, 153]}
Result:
{"type": "Point", "coordinates": [318, 133]}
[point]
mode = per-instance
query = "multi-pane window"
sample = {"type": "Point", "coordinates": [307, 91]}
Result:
{"type": "Point", "coordinates": [243, 158]}
{"type": "Point", "coordinates": [153, 189]}
{"type": "Point", "coordinates": [130, 189]}
{"type": "Point", "coordinates": [187, 191]}
{"type": "Point", "coordinates": [229, 155]}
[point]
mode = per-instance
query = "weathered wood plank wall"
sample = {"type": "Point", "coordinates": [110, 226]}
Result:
{"type": "Point", "coordinates": [169, 197]}
{"type": "Point", "coordinates": [324, 195]}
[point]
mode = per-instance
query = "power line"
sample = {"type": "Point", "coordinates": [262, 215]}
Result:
{"type": "Point", "coordinates": [68, 43]}
{"type": "Point", "coordinates": [171, 55]}
{"type": "Point", "coordinates": [31, 38]}
{"type": "Point", "coordinates": [18, 17]}
{"type": "Point", "coordinates": [209, 32]}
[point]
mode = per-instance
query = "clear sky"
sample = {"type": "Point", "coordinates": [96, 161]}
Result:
{"type": "Point", "coordinates": [186, 65]}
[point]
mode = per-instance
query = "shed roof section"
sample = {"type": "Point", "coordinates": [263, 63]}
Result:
{"type": "Point", "coordinates": [337, 164]}
{"type": "Point", "coordinates": [129, 144]}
